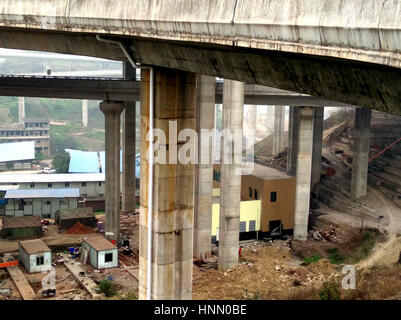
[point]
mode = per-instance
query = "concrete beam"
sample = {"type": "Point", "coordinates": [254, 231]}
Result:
{"type": "Point", "coordinates": [205, 114]}
{"type": "Point", "coordinates": [360, 158]}
{"type": "Point", "coordinates": [128, 90]}
{"type": "Point", "coordinates": [317, 145]}
{"type": "Point", "coordinates": [293, 134]}
{"type": "Point", "coordinates": [230, 186]}
{"type": "Point", "coordinates": [304, 166]}
{"type": "Point", "coordinates": [70, 88]}
{"type": "Point", "coordinates": [112, 111]}
{"type": "Point", "coordinates": [173, 189]}
{"type": "Point", "coordinates": [129, 139]}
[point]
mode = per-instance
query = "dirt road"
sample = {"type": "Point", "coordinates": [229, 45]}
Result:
{"type": "Point", "coordinates": [389, 251]}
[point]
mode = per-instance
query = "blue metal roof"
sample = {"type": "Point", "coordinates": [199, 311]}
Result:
{"type": "Point", "coordinates": [85, 161]}
{"type": "Point", "coordinates": [42, 193]}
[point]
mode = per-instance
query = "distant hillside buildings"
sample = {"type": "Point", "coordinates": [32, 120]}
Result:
{"type": "Point", "coordinates": [37, 130]}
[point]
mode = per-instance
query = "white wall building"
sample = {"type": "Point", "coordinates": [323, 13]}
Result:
{"type": "Point", "coordinates": [35, 255]}
{"type": "Point", "coordinates": [101, 252]}
{"type": "Point", "coordinates": [90, 185]}
{"type": "Point", "coordinates": [39, 202]}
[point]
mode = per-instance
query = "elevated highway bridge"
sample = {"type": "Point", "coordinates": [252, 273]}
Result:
{"type": "Point", "coordinates": [323, 50]}
{"type": "Point", "coordinates": [347, 51]}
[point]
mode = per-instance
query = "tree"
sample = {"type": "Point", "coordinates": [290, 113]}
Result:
{"type": "Point", "coordinates": [61, 162]}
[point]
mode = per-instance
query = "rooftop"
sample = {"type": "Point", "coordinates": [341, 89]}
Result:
{"type": "Point", "coordinates": [75, 213]}
{"type": "Point", "coordinates": [21, 222]}
{"type": "Point", "coordinates": [264, 172]}
{"type": "Point", "coordinates": [51, 178]}
{"type": "Point", "coordinates": [34, 246]}
{"type": "Point", "coordinates": [16, 151]}
{"type": "Point", "coordinates": [42, 193]}
{"type": "Point", "coordinates": [99, 243]}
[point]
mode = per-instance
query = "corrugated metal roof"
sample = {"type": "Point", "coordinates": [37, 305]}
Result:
{"type": "Point", "coordinates": [83, 161]}
{"type": "Point", "coordinates": [15, 151]}
{"type": "Point", "coordinates": [99, 243]}
{"type": "Point", "coordinates": [75, 213]}
{"type": "Point", "coordinates": [42, 193]}
{"type": "Point", "coordinates": [21, 222]}
{"type": "Point", "coordinates": [51, 178]}
{"type": "Point", "coordinates": [8, 187]}
{"type": "Point", "coordinates": [87, 161]}
{"type": "Point", "coordinates": [34, 246]}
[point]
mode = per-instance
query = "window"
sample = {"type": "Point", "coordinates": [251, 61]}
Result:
{"type": "Point", "coordinates": [49, 185]}
{"type": "Point", "coordinates": [84, 184]}
{"type": "Point", "coordinates": [40, 261]}
{"type": "Point", "coordinates": [250, 192]}
{"type": "Point", "coordinates": [108, 257]}
{"type": "Point", "coordinates": [48, 203]}
{"type": "Point", "coordinates": [100, 184]}
{"type": "Point", "coordinates": [273, 196]}
{"type": "Point", "coordinates": [32, 185]}
{"type": "Point", "coordinates": [256, 195]}
{"type": "Point", "coordinates": [67, 184]}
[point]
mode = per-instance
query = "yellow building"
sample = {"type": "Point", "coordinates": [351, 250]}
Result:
{"type": "Point", "coordinates": [275, 192]}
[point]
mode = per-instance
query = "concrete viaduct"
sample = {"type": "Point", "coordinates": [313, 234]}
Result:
{"type": "Point", "coordinates": [345, 51]}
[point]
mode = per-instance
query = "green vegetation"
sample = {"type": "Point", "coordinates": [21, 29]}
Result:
{"type": "Point", "coordinates": [250, 296]}
{"type": "Point", "coordinates": [107, 287]}
{"type": "Point", "coordinates": [335, 257]}
{"type": "Point", "coordinates": [61, 162]}
{"type": "Point", "coordinates": [129, 296]}
{"type": "Point", "coordinates": [330, 291]}
{"type": "Point", "coordinates": [311, 259]}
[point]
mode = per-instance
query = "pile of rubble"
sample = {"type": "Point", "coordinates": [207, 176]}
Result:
{"type": "Point", "coordinates": [129, 221]}
{"type": "Point", "coordinates": [325, 235]}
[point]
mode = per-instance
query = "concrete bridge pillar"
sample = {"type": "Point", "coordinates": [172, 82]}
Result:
{"type": "Point", "coordinates": [129, 136]}
{"type": "Point", "coordinates": [317, 145]}
{"type": "Point", "coordinates": [360, 159]}
{"type": "Point", "coordinates": [230, 186]}
{"type": "Point", "coordinates": [85, 113]}
{"type": "Point", "coordinates": [293, 133]}
{"type": "Point", "coordinates": [303, 175]}
{"type": "Point", "coordinates": [279, 118]}
{"type": "Point", "coordinates": [21, 109]}
{"type": "Point", "coordinates": [205, 115]}
{"type": "Point", "coordinates": [112, 111]}
{"type": "Point", "coordinates": [173, 188]}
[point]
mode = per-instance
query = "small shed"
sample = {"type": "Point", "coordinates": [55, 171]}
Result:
{"type": "Point", "coordinates": [21, 227]}
{"type": "Point", "coordinates": [101, 252]}
{"type": "Point", "coordinates": [67, 218]}
{"type": "Point", "coordinates": [35, 255]}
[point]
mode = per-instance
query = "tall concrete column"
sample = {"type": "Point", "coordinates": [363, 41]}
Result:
{"type": "Point", "coordinates": [317, 145]}
{"type": "Point", "coordinates": [21, 109]}
{"type": "Point", "coordinates": [230, 186]}
{"type": "Point", "coordinates": [129, 130]}
{"type": "Point", "coordinates": [85, 113]}
{"type": "Point", "coordinates": [173, 188]}
{"type": "Point", "coordinates": [360, 159]}
{"type": "Point", "coordinates": [293, 133]}
{"type": "Point", "coordinates": [304, 166]}
{"type": "Point", "coordinates": [252, 121]}
{"type": "Point", "coordinates": [112, 111]}
{"type": "Point", "coordinates": [205, 115]}
{"type": "Point", "coordinates": [279, 118]}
